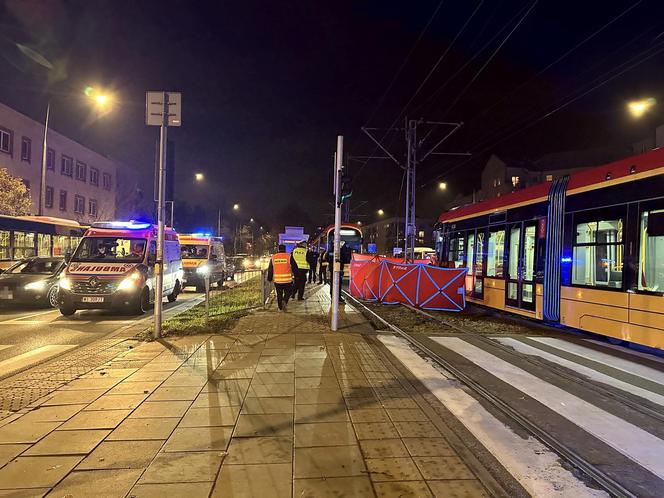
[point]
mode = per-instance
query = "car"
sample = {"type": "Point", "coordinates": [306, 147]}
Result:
{"type": "Point", "coordinates": [32, 281]}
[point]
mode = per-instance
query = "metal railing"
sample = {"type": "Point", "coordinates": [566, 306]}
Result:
{"type": "Point", "coordinates": [248, 290]}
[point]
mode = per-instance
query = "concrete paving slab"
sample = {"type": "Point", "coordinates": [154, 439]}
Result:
{"type": "Point", "coordinates": [450, 467]}
{"type": "Point", "coordinates": [107, 419]}
{"type": "Point", "coordinates": [121, 455]}
{"type": "Point", "coordinates": [259, 450]}
{"type": "Point", "coordinates": [323, 412]}
{"type": "Point", "coordinates": [144, 387]}
{"type": "Point", "coordinates": [402, 489]}
{"type": "Point", "coordinates": [134, 429]}
{"type": "Point", "coordinates": [73, 397]}
{"type": "Point", "coordinates": [271, 390]}
{"type": "Point", "coordinates": [211, 399]}
{"type": "Point", "coordinates": [457, 489]}
{"type": "Point", "coordinates": [182, 393]}
{"type": "Point", "coordinates": [117, 402]}
{"type": "Point", "coordinates": [383, 448]}
{"type": "Point", "coordinates": [52, 413]}
{"type": "Point", "coordinates": [68, 442]}
{"type": "Point", "coordinates": [199, 439]}
{"type": "Point", "coordinates": [156, 409]}
{"type": "Point", "coordinates": [9, 451]}
{"type": "Point", "coordinates": [324, 434]}
{"type": "Point", "coordinates": [24, 493]}
{"type": "Point", "coordinates": [240, 481]}
{"type": "Point", "coordinates": [183, 467]}
{"type": "Point", "coordinates": [25, 431]}
{"type": "Point", "coordinates": [315, 396]}
{"type": "Point", "coordinates": [426, 447]}
{"type": "Point", "coordinates": [36, 472]}
{"type": "Point", "coordinates": [330, 461]}
{"type": "Point", "coordinates": [190, 490]}
{"type": "Point", "coordinates": [271, 424]}
{"type": "Point", "coordinates": [375, 430]}
{"type": "Point", "coordinates": [330, 487]}
{"type": "Point", "coordinates": [106, 483]}
{"type": "Point", "coordinates": [256, 406]}
{"type": "Point", "coordinates": [210, 417]}
{"type": "Point", "coordinates": [368, 415]}
{"type": "Point", "coordinates": [392, 469]}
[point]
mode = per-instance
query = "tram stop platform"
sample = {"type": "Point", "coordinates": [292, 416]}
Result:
{"type": "Point", "coordinates": [279, 407]}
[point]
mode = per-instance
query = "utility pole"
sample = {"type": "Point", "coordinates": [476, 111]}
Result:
{"type": "Point", "coordinates": [336, 269]}
{"type": "Point", "coordinates": [162, 109]}
{"type": "Point", "coordinates": [42, 176]}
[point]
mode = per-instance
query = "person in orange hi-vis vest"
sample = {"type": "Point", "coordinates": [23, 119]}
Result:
{"type": "Point", "coordinates": [280, 272]}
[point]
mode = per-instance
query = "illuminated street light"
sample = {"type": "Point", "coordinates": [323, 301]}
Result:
{"type": "Point", "coordinates": [251, 220]}
{"type": "Point", "coordinates": [359, 223]}
{"type": "Point", "coordinates": [638, 108]}
{"type": "Point", "coordinates": [236, 207]}
{"type": "Point", "coordinates": [199, 177]}
{"type": "Point", "coordinates": [442, 186]}
{"type": "Point", "coordinates": [381, 212]}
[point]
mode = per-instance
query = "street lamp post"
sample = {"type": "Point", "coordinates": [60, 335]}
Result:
{"type": "Point", "coordinates": [42, 183]}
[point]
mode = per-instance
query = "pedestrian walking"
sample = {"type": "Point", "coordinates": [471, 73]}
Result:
{"type": "Point", "coordinates": [280, 272]}
{"type": "Point", "coordinates": [300, 269]}
{"type": "Point", "coordinates": [312, 259]}
{"type": "Point", "coordinates": [322, 267]}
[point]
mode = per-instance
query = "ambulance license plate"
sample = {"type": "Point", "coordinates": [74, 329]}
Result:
{"type": "Point", "coordinates": [92, 299]}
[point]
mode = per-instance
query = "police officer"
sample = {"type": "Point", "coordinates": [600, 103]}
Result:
{"type": "Point", "coordinates": [322, 268]}
{"type": "Point", "coordinates": [300, 269]}
{"type": "Point", "coordinates": [312, 259]}
{"type": "Point", "coordinates": [281, 273]}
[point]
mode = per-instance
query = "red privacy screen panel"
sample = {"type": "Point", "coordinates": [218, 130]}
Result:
{"type": "Point", "coordinates": [421, 285]}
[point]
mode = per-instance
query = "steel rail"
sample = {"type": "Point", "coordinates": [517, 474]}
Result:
{"type": "Point", "coordinates": [604, 481]}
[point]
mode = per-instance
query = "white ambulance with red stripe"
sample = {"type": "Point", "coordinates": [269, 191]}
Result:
{"type": "Point", "coordinates": [113, 267]}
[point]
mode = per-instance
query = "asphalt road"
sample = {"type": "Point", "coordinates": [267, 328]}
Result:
{"type": "Point", "coordinates": [36, 332]}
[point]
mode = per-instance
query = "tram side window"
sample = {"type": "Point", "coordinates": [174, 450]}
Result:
{"type": "Point", "coordinates": [456, 252]}
{"type": "Point", "coordinates": [24, 245]}
{"type": "Point", "coordinates": [598, 254]}
{"type": "Point", "coordinates": [651, 252]}
{"type": "Point", "coordinates": [4, 245]}
{"type": "Point", "coordinates": [60, 245]}
{"type": "Point", "coordinates": [43, 245]}
{"type": "Point", "coordinates": [495, 254]}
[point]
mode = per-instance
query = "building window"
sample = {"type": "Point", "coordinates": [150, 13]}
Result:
{"type": "Point", "coordinates": [598, 254]}
{"type": "Point", "coordinates": [92, 207]}
{"type": "Point", "coordinates": [420, 234]}
{"type": "Point", "coordinates": [79, 204]}
{"type": "Point", "coordinates": [495, 254]}
{"type": "Point", "coordinates": [515, 181]}
{"type": "Point", "coordinates": [26, 149]}
{"type": "Point", "coordinates": [81, 171]}
{"type": "Point", "coordinates": [50, 159]}
{"type": "Point", "coordinates": [26, 183]}
{"type": "Point", "coordinates": [106, 179]}
{"type": "Point", "coordinates": [4, 244]}
{"type": "Point", "coordinates": [63, 200]}
{"type": "Point", "coordinates": [24, 245]}
{"type": "Point", "coordinates": [651, 255]}
{"type": "Point", "coordinates": [48, 201]}
{"type": "Point", "coordinates": [549, 178]}
{"type": "Point", "coordinates": [66, 166]}
{"type": "Point", "coordinates": [6, 141]}
{"type": "Point", "coordinates": [94, 177]}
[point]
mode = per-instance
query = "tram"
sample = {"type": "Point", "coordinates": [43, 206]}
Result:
{"type": "Point", "coordinates": [350, 234]}
{"type": "Point", "coordinates": [25, 236]}
{"type": "Point", "coordinates": [585, 251]}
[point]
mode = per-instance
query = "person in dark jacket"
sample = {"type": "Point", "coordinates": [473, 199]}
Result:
{"type": "Point", "coordinates": [345, 255]}
{"type": "Point", "coordinates": [322, 267]}
{"type": "Point", "coordinates": [312, 259]}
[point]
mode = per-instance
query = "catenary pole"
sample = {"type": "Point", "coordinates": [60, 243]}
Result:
{"type": "Point", "coordinates": [161, 215]}
{"type": "Point", "coordinates": [336, 274]}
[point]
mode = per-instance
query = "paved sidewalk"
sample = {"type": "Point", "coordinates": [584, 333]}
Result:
{"type": "Point", "coordinates": [279, 407]}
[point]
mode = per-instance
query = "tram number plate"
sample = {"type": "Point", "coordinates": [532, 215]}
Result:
{"type": "Point", "coordinates": [92, 299]}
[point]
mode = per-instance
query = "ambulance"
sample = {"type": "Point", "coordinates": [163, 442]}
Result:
{"type": "Point", "coordinates": [113, 267]}
{"type": "Point", "coordinates": [202, 255]}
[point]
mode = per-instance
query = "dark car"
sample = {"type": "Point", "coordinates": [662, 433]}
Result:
{"type": "Point", "coordinates": [32, 281]}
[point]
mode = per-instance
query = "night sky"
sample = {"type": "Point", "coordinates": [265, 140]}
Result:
{"type": "Point", "coordinates": [267, 86]}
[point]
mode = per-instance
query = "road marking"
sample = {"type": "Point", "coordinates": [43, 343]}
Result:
{"type": "Point", "coordinates": [5, 346]}
{"type": "Point", "coordinates": [624, 349]}
{"type": "Point", "coordinates": [582, 369]}
{"type": "Point", "coordinates": [26, 359]}
{"type": "Point", "coordinates": [605, 358]}
{"type": "Point", "coordinates": [531, 463]}
{"type": "Point", "coordinates": [24, 317]}
{"type": "Point", "coordinates": [632, 441]}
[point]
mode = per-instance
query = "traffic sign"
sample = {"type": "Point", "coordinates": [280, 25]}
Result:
{"type": "Point", "coordinates": [154, 108]}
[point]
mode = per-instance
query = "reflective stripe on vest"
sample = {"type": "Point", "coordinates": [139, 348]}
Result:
{"type": "Point", "coordinates": [300, 257]}
{"type": "Point", "coordinates": [281, 268]}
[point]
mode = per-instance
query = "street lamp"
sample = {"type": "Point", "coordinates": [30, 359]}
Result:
{"type": "Point", "coordinates": [442, 186]}
{"type": "Point", "coordinates": [199, 177]}
{"type": "Point", "coordinates": [638, 108]}
{"type": "Point", "coordinates": [381, 212]}
{"type": "Point", "coordinates": [251, 220]}
{"type": "Point", "coordinates": [236, 207]}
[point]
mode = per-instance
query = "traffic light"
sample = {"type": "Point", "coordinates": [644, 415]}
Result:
{"type": "Point", "coordinates": [346, 187]}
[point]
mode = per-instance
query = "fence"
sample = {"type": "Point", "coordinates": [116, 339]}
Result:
{"type": "Point", "coordinates": [248, 290]}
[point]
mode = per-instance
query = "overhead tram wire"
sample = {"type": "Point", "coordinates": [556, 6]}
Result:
{"type": "Point", "coordinates": [397, 74]}
{"type": "Point", "coordinates": [550, 113]}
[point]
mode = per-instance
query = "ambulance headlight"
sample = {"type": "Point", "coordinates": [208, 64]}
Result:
{"type": "Point", "coordinates": [64, 283]}
{"type": "Point", "coordinates": [203, 270]}
{"type": "Point", "coordinates": [131, 282]}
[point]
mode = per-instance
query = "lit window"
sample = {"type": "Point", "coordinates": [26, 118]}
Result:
{"type": "Point", "coordinates": [549, 178]}
{"type": "Point", "coordinates": [420, 234]}
{"type": "Point", "coordinates": [598, 254]}
{"type": "Point", "coordinates": [651, 254]}
{"type": "Point", "coordinates": [515, 181]}
{"type": "Point", "coordinates": [4, 244]}
{"type": "Point", "coordinates": [43, 245]}
{"type": "Point", "coordinates": [24, 245]}
{"type": "Point", "coordinates": [495, 253]}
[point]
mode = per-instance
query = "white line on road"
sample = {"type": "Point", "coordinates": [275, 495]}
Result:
{"type": "Point", "coordinates": [32, 315]}
{"type": "Point", "coordinates": [582, 369]}
{"type": "Point", "coordinates": [531, 463]}
{"type": "Point", "coordinates": [642, 447]}
{"type": "Point", "coordinates": [36, 355]}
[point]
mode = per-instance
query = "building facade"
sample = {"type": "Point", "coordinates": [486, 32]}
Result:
{"type": "Point", "coordinates": [388, 234]}
{"type": "Point", "coordinates": [81, 184]}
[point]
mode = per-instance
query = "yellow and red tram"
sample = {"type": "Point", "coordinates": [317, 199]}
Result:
{"type": "Point", "coordinates": [585, 251]}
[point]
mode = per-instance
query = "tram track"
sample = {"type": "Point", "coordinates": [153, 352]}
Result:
{"type": "Point", "coordinates": [595, 473]}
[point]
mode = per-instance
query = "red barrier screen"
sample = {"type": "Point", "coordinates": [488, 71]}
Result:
{"type": "Point", "coordinates": [417, 284]}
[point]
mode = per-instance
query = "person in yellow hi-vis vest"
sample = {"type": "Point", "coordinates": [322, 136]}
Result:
{"type": "Point", "coordinates": [299, 261]}
{"type": "Point", "coordinates": [280, 272]}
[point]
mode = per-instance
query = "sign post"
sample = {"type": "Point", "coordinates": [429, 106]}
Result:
{"type": "Point", "coordinates": [336, 270]}
{"type": "Point", "coordinates": [162, 109]}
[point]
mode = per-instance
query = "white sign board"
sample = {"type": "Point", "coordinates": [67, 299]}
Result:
{"type": "Point", "coordinates": [154, 108]}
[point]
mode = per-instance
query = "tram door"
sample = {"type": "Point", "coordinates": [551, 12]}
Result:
{"type": "Point", "coordinates": [520, 288]}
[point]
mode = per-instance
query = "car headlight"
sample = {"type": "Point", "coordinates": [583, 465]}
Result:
{"type": "Point", "coordinates": [203, 269]}
{"type": "Point", "coordinates": [130, 282]}
{"type": "Point", "coordinates": [65, 283]}
{"type": "Point", "coordinates": [39, 285]}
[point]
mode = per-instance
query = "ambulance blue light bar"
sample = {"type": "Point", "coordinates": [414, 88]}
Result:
{"type": "Point", "coordinates": [122, 225]}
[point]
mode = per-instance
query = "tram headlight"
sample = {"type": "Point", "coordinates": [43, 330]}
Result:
{"type": "Point", "coordinates": [64, 283]}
